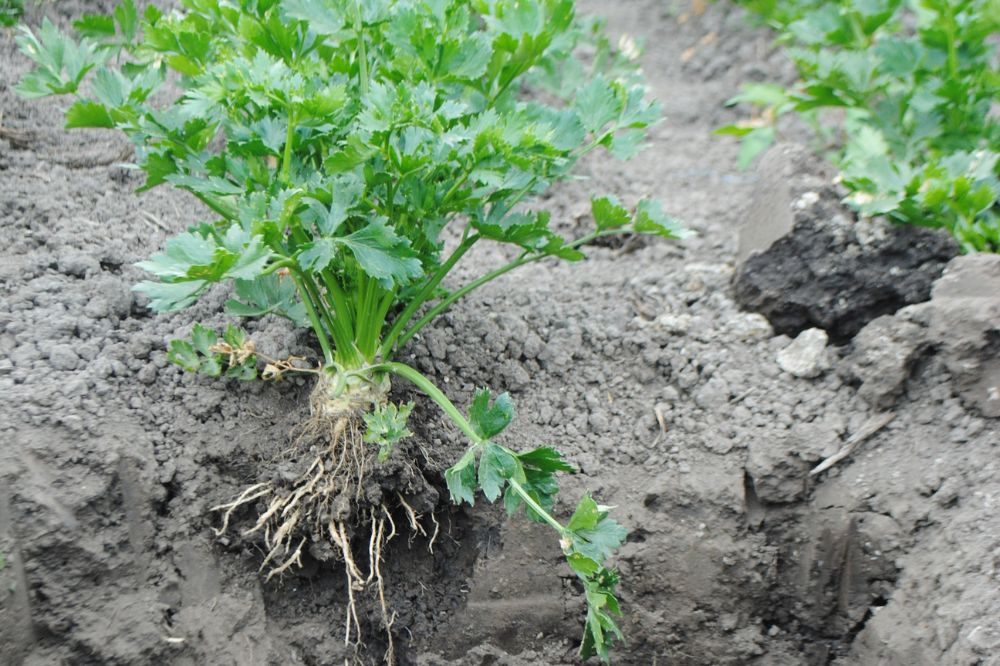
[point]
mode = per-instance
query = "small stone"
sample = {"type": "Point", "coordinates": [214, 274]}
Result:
{"type": "Point", "coordinates": [751, 326]}
{"type": "Point", "coordinates": [675, 324]}
{"type": "Point", "coordinates": [948, 493]}
{"type": "Point", "coordinates": [806, 355]}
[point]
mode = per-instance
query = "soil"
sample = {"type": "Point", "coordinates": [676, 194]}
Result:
{"type": "Point", "coordinates": [637, 364]}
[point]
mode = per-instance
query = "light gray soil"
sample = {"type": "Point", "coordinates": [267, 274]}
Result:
{"type": "Point", "coordinates": [110, 458]}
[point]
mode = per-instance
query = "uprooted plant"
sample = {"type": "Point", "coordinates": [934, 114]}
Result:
{"type": "Point", "coordinates": [339, 144]}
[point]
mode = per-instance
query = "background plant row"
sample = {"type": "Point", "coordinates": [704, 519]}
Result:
{"type": "Point", "coordinates": [902, 95]}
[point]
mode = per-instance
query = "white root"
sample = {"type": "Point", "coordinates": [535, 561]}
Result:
{"type": "Point", "coordinates": [339, 536]}
{"type": "Point", "coordinates": [276, 504]}
{"type": "Point", "coordinates": [415, 525]}
{"type": "Point", "coordinates": [392, 524]}
{"type": "Point", "coordinates": [244, 498]}
{"type": "Point", "coordinates": [296, 558]}
{"type": "Point", "coordinates": [352, 609]}
{"type": "Point", "coordinates": [387, 619]}
{"type": "Point", "coordinates": [437, 528]}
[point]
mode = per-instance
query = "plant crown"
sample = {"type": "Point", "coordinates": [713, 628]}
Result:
{"type": "Point", "coordinates": [335, 142]}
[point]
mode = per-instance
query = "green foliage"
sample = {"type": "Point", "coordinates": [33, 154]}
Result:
{"type": "Point", "coordinates": [386, 425]}
{"type": "Point", "coordinates": [206, 354]}
{"type": "Point", "coordinates": [916, 82]}
{"type": "Point", "coordinates": [489, 419]}
{"type": "Point", "coordinates": [10, 12]}
{"type": "Point", "coordinates": [528, 480]}
{"type": "Point", "coordinates": [337, 144]}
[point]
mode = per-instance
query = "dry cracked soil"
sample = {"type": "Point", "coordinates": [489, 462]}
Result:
{"type": "Point", "coordinates": [637, 363]}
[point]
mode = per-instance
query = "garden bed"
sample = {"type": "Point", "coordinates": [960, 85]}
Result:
{"type": "Point", "coordinates": [638, 364]}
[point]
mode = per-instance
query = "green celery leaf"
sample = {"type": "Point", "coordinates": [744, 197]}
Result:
{"type": "Point", "coordinates": [732, 130]}
{"type": "Point", "coordinates": [127, 18]}
{"type": "Point", "coordinates": [461, 478]}
{"type": "Point", "coordinates": [203, 338]}
{"type": "Point", "coordinates": [316, 256]}
{"type": "Point", "coordinates": [169, 296]}
{"type": "Point", "coordinates": [597, 105]}
{"type": "Point", "coordinates": [600, 627]}
{"type": "Point", "coordinates": [251, 261]}
{"type": "Point", "coordinates": [627, 145]}
{"type": "Point", "coordinates": [650, 219]}
{"type": "Point", "coordinates": [586, 516]}
{"type": "Point", "coordinates": [496, 466]}
{"type": "Point", "coordinates": [489, 420]}
{"type": "Point", "coordinates": [245, 372]}
{"type": "Point", "coordinates": [608, 213]}
{"type": "Point", "coordinates": [88, 114]}
{"type": "Point", "coordinates": [386, 426]}
{"type": "Point", "coordinates": [95, 26]}
{"type": "Point", "coordinates": [211, 366]}
{"type": "Point", "coordinates": [583, 565]}
{"type": "Point", "coordinates": [183, 252]}
{"type": "Point", "coordinates": [234, 336]}
{"type": "Point", "coordinates": [183, 354]}
{"type": "Point", "coordinates": [268, 294]}
{"type": "Point", "coordinates": [470, 59]}
{"type": "Point", "coordinates": [323, 16]}
{"type": "Point", "coordinates": [382, 254]}
{"type": "Point", "coordinates": [599, 543]}
{"type": "Point", "coordinates": [546, 459]}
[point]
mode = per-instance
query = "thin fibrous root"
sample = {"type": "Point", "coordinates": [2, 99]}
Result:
{"type": "Point", "coordinates": [415, 525]}
{"type": "Point", "coordinates": [387, 620]}
{"type": "Point", "coordinates": [244, 498]}
{"type": "Point", "coordinates": [437, 528]}
{"type": "Point", "coordinates": [296, 558]}
{"type": "Point", "coordinates": [392, 524]}
{"type": "Point", "coordinates": [339, 536]}
{"type": "Point", "coordinates": [337, 471]}
{"type": "Point", "coordinates": [263, 521]}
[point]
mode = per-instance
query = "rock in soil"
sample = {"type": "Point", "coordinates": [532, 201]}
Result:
{"type": "Point", "coordinates": [805, 356]}
{"type": "Point", "coordinates": [805, 261]}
